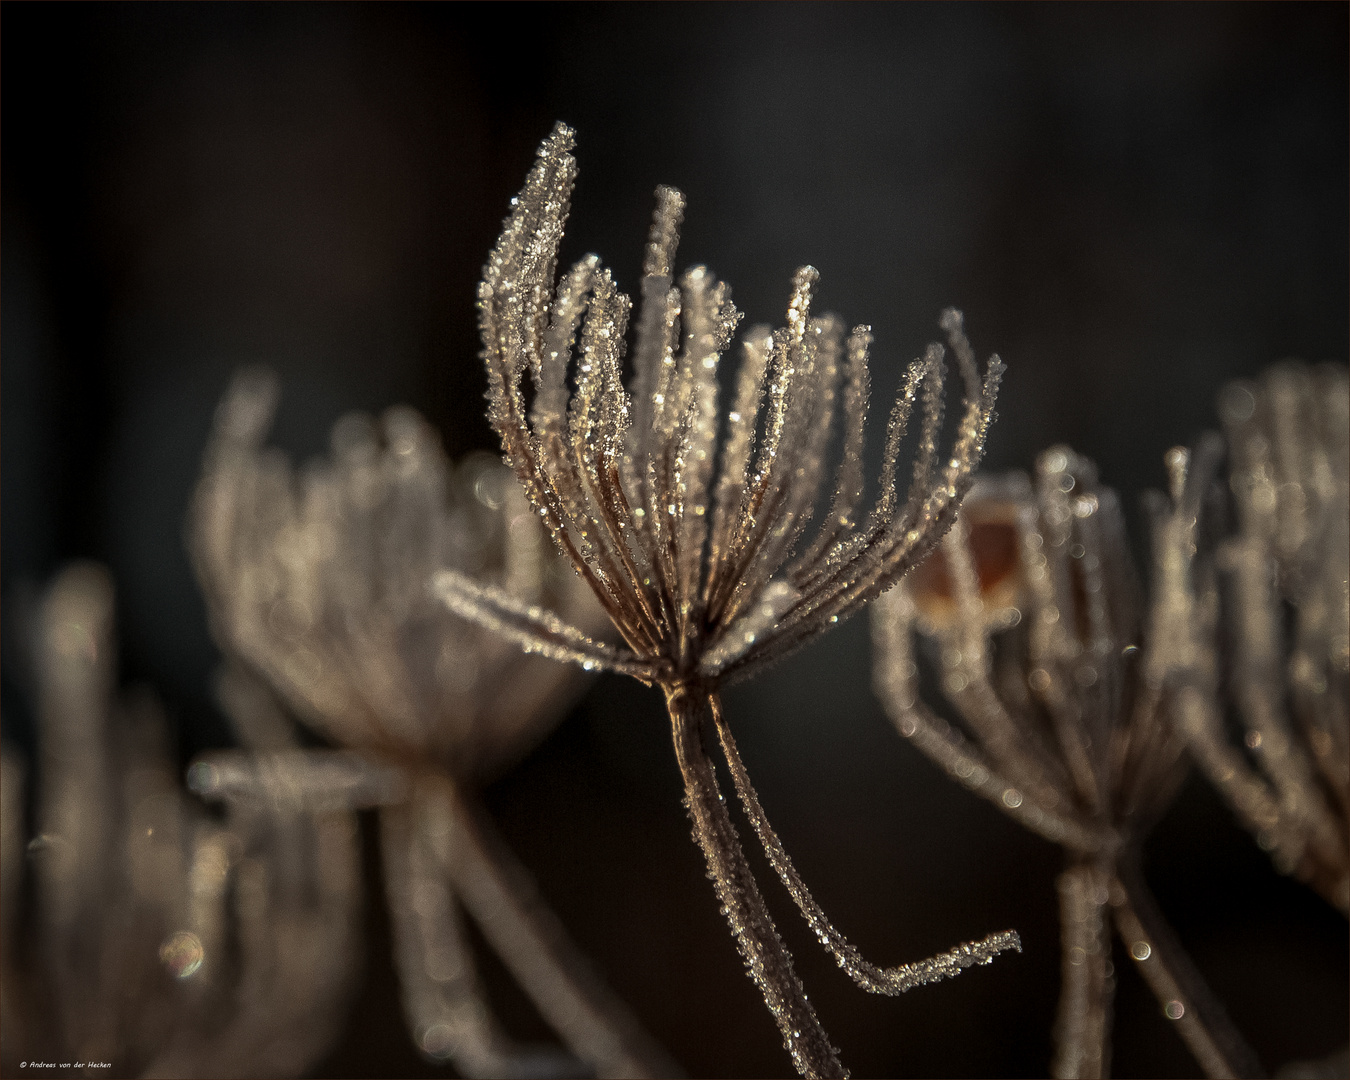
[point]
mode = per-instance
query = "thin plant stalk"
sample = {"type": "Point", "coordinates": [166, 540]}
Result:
{"type": "Point", "coordinates": [1200, 1019]}
{"type": "Point", "coordinates": [876, 980]}
{"type": "Point", "coordinates": [767, 958]}
{"type": "Point", "coordinates": [1083, 1021]}
{"type": "Point", "coordinates": [501, 896]}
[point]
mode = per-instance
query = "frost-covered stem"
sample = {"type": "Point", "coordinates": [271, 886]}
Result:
{"type": "Point", "coordinates": [873, 979]}
{"type": "Point", "coordinates": [498, 893]}
{"type": "Point", "coordinates": [765, 954]}
{"type": "Point", "coordinates": [1179, 987]}
{"type": "Point", "coordinates": [1083, 1024]}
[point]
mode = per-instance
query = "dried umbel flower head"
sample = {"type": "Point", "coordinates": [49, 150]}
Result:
{"type": "Point", "coordinates": [1288, 442]}
{"type": "Point", "coordinates": [164, 941]}
{"type": "Point", "coordinates": [318, 581]}
{"type": "Point", "coordinates": [688, 522]}
{"type": "Point", "coordinates": [693, 562]}
{"type": "Point", "coordinates": [320, 584]}
{"type": "Point", "coordinates": [1058, 675]}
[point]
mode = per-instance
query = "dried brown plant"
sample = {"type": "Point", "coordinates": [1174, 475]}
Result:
{"type": "Point", "coordinates": [318, 583]}
{"type": "Point", "coordinates": [687, 538]}
{"type": "Point", "coordinates": [1263, 621]}
{"type": "Point", "coordinates": [160, 941]}
{"type": "Point", "coordinates": [1061, 678]}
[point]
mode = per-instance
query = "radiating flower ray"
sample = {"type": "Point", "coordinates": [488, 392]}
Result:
{"type": "Point", "coordinates": [163, 942]}
{"type": "Point", "coordinates": [1058, 673]}
{"type": "Point", "coordinates": [684, 519]}
{"type": "Point", "coordinates": [1288, 456]}
{"type": "Point", "coordinates": [320, 584]}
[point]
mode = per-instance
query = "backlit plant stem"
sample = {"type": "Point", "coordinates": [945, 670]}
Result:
{"type": "Point", "coordinates": [1179, 987]}
{"type": "Point", "coordinates": [504, 901]}
{"type": "Point", "coordinates": [1083, 1023]}
{"type": "Point", "coordinates": [763, 950]}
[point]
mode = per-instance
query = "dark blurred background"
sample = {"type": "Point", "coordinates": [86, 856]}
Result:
{"type": "Point", "coordinates": [1132, 204]}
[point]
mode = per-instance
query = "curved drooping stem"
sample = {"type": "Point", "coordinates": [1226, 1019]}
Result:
{"type": "Point", "coordinates": [1083, 1022]}
{"type": "Point", "coordinates": [869, 976]}
{"type": "Point", "coordinates": [1179, 987]}
{"type": "Point", "coordinates": [765, 954]}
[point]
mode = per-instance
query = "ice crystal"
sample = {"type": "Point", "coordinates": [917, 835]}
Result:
{"type": "Point", "coordinates": [1061, 676]}
{"type": "Point", "coordinates": [320, 584]}
{"type": "Point", "coordinates": [685, 520]}
{"type": "Point", "coordinates": [1288, 445]}
{"type": "Point", "coordinates": [168, 942]}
